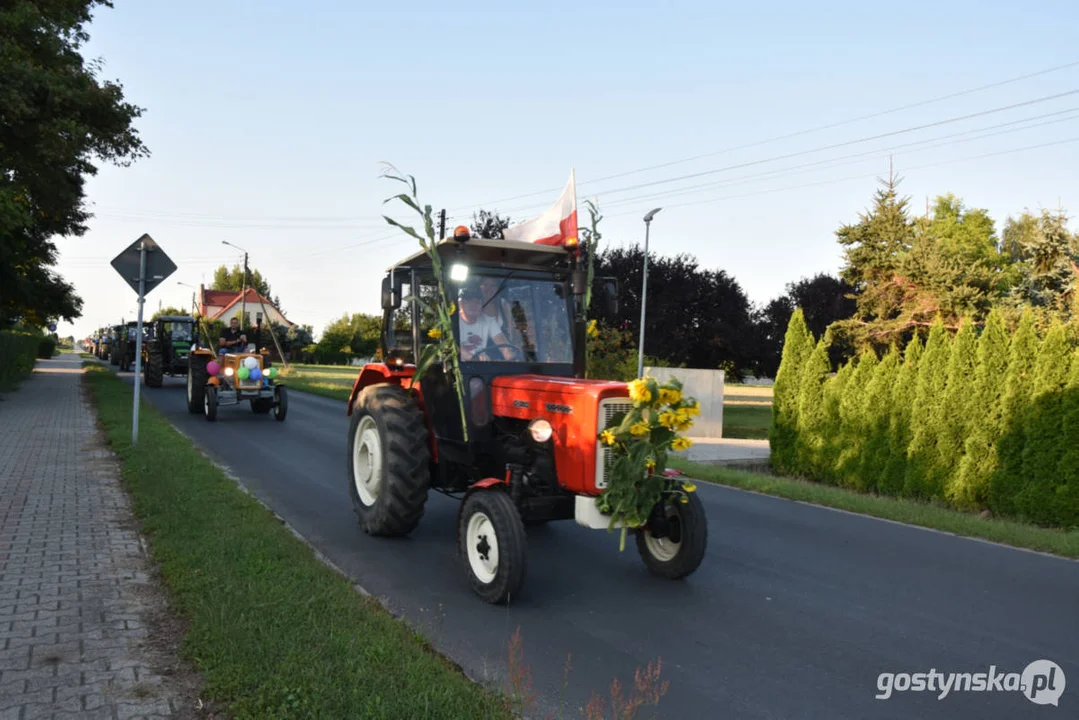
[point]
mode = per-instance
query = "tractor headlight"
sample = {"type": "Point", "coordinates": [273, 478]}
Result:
{"type": "Point", "coordinates": [229, 372]}
{"type": "Point", "coordinates": [541, 430]}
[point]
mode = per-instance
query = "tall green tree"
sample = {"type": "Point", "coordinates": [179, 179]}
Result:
{"type": "Point", "coordinates": [970, 487]}
{"type": "Point", "coordinates": [1065, 501]}
{"type": "Point", "coordinates": [855, 417]}
{"type": "Point", "coordinates": [58, 121]}
{"type": "Point", "coordinates": [797, 346]}
{"type": "Point", "coordinates": [1043, 427]}
{"type": "Point", "coordinates": [809, 445]}
{"type": "Point", "coordinates": [922, 466]}
{"type": "Point", "coordinates": [900, 431]}
{"type": "Point", "coordinates": [956, 404]}
{"type": "Point", "coordinates": [1018, 386]}
{"type": "Point", "coordinates": [877, 410]}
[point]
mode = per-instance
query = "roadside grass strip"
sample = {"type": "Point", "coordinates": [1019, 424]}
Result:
{"type": "Point", "coordinates": [275, 632]}
{"type": "Point", "coordinates": [1008, 532]}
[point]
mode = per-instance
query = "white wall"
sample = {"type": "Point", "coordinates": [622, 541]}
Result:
{"type": "Point", "coordinates": [707, 387]}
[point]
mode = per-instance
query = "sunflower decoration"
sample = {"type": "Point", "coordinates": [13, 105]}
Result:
{"type": "Point", "coordinates": [639, 441]}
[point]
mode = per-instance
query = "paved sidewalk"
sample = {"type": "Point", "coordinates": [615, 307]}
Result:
{"type": "Point", "coordinates": [76, 597]}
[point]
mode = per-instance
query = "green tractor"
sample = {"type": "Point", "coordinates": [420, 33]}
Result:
{"type": "Point", "coordinates": [124, 344]}
{"type": "Point", "coordinates": [116, 335]}
{"type": "Point", "coordinates": [165, 348]}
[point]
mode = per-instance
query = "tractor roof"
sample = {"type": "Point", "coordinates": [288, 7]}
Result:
{"type": "Point", "coordinates": [175, 318]}
{"type": "Point", "coordinates": [481, 251]}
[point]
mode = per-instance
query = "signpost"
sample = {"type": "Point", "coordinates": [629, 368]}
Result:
{"type": "Point", "coordinates": [143, 265]}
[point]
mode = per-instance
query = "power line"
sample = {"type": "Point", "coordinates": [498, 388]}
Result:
{"type": "Point", "coordinates": [858, 177]}
{"type": "Point", "coordinates": [931, 143]}
{"type": "Point", "coordinates": [834, 146]}
{"type": "Point", "coordinates": [794, 134]}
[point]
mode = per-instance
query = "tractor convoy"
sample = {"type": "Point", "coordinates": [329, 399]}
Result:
{"type": "Point", "coordinates": [523, 447]}
{"type": "Point", "coordinates": [533, 421]}
{"type": "Point", "coordinates": [180, 346]}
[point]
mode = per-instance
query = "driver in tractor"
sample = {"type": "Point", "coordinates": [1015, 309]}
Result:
{"type": "Point", "coordinates": [232, 337]}
{"type": "Point", "coordinates": [478, 328]}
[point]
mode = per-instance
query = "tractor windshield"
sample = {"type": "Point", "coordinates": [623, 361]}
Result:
{"type": "Point", "coordinates": [511, 319]}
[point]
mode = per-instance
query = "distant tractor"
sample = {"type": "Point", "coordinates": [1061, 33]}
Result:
{"type": "Point", "coordinates": [533, 454]}
{"type": "Point", "coordinates": [116, 338]}
{"type": "Point", "coordinates": [124, 346]}
{"type": "Point", "coordinates": [228, 378]}
{"type": "Point", "coordinates": [165, 347]}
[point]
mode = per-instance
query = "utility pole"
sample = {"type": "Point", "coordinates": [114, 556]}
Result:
{"type": "Point", "coordinates": [442, 224]}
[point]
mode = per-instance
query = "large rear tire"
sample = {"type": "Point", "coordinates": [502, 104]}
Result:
{"type": "Point", "coordinates": [196, 382]}
{"type": "Point", "coordinates": [209, 407]}
{"type": "Point", "coordinates": [388, 471]}
{"type": "Point", "coordinates": [491, 541]}
{"type": "Point", "coordinates": [280, 403]}
{"type": "Point", "coordinates": [155, 370]}
{"type": "Point", "coordinates": [681, 551]}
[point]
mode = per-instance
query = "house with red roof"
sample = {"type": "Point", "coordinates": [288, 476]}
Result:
{"type": "Point", "coordinates": [226, 304]}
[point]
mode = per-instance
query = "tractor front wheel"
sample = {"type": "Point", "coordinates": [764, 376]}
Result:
{"type": "Point", "coordinates": [280, 407]}
{"type": "Point", "coordinates": [388, 470]}
{"type": "Point", "coordinates": [491, 540]}
{"type": "Point", "coordinates": [209, 403]}
{"type": "Point", "coordinates": [682, 542]}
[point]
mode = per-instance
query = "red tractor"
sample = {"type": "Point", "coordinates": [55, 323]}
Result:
{"type": "Point", "coordinates": [533, 420]}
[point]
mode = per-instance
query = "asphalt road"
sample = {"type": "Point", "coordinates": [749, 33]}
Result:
{"type": "Point", "coordinates": [794, 613]}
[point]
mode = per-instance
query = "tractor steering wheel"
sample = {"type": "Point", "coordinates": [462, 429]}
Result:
{"type": "Point", "coordinates": [486, 351]}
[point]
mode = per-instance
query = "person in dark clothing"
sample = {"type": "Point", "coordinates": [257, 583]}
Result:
{"type": "Point", "coordinates": [232, 338]}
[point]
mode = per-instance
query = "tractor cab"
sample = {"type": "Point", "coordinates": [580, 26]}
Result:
{"type": "Point", "coordinates": [516, 315]}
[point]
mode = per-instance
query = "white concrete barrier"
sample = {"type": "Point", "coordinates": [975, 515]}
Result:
{"type": "Point", "coordinates": [707, 387]}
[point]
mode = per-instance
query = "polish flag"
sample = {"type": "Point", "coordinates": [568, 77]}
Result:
{"type": "Point", "coordinates": [555, 226]}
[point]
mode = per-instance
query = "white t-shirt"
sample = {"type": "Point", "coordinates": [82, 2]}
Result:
{"type": "Point", "coordinates": [475, 336]}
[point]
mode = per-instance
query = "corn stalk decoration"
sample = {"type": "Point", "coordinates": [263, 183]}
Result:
{"type": "Point", "coordinates": [591, 243]}
{"type": "Point", "coordinates": [445, 350]}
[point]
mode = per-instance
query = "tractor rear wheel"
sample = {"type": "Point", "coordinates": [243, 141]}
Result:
{"type": "Point", "coordinates": [196, 382]}
{"type": "Point", "coordinates": [280, 403]}
{"type": "Point", "coordinates": [155, 370]}
{"type": "Point", "coordinates": [491, 541]}
{"type": "Point", "coordinates": [681, 550]}
{"type": "Point", "coordinates": [388, 472]}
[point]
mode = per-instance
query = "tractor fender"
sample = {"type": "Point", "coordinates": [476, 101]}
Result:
{"type": "Point", "coordinates": [375, 373]}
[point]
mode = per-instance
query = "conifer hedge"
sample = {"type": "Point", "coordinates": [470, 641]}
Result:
{"type": "Point", "coordinates": [976, 419]}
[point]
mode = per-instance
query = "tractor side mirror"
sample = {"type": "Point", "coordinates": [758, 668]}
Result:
{"type": "Point", "coordinates": [391, 295]}
{"type": "Point", "coordinates": [610, 296]}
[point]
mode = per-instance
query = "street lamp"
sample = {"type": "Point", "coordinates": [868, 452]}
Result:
{"type": "Point", "coordinates": [243, 290]}
{"type": "Point", "coordinates": [644, 290]}
{"type": "Point", "coordinates": [194, 305]}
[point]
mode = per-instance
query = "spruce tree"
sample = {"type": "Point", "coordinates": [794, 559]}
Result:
{"type": "Point", "coordinates": [955, 417]}
{"type": "Point", "coordinates": [922, 454]}
{"type": "Point", "coordinates": [877, 412]}
{"type": "Point", "coordinates": [1043, 427]}
{"type": "Point", "coordinates": [1018, 386]}
{"type": "Point", "coordinates": [970, 488]}
{"type": "Point", "coordinates": [810, 440]}
{"type": "Point", "coordinates": [899, 420]}
{"type": "Point", "coordinates": [797, 345]}
{"type": "Point", "coordinates": [854, 418]}
{"type": "Point", "coordinates": [1065, 504]}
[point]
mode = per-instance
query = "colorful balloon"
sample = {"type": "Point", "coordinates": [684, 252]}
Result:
{"type": "Point", "coordinates": [212, 367]}
{"type": "Point", "coordinates": [243, 372]}
{"type": "Point", "coordinates": [271, 372]}
{"type": "Point", "coordinates": [251, 362]}
{"type": "Point", "coordinates": [255, 373]}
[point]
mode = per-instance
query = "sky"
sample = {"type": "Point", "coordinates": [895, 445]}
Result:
{"type": "Point", "coordinates": [268, 121]}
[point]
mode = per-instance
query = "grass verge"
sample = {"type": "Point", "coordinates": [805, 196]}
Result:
{"type": "Point", "coordinates": [1017, 534]}
{"type": "Point", "coordinates": [275, 632]}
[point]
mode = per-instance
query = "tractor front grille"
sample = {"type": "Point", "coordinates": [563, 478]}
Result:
{"type": "Point", "coordinates": [607, 409]}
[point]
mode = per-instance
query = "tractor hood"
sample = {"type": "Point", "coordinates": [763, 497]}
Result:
{"type": "Point", "coordinates": [577, 410]}
{"type": "Point", "coordinates": [532, 396]}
